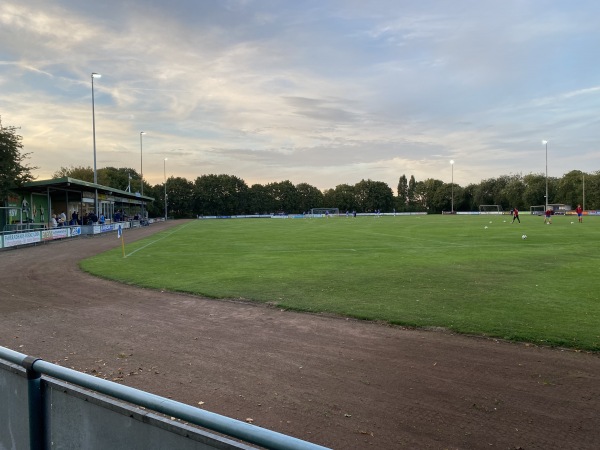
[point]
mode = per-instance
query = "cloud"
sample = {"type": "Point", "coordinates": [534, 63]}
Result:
{"type": "Point", "coordinates": [325, 92]}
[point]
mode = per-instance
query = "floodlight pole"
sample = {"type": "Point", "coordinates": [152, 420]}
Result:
{"type": "Point", "coordinates": [452, 199]}
{"type": "Point", "coordinates": [583, 189]}
{"type": "Point", "coordinates": [165, 175]}
{"type": "Point", "coordinates": [94, 75]}
{"type": "Point", "coordinates": [546, 144]}
{"type": "Point", "coordinates": [142, 174]}
{"type": "Point", "coordinates": [141, 163]}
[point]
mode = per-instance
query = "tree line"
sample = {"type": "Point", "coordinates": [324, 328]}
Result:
{"type": "Point", "coordinates": [230, 195]}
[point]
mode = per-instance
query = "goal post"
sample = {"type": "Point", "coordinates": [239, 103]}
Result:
{"type": "Point", "coordinates": [537, 210]}
{"type": "Point", "coordinates": [324, 212]}
{"type": "Point", "coordinates": [490, 209]}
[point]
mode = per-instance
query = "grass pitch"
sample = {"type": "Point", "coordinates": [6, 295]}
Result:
{"type": "Point", "coordinates": [469, 274]}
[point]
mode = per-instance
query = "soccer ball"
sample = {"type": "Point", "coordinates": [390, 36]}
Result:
{"type": "Point", "coordinates": [524, 236]}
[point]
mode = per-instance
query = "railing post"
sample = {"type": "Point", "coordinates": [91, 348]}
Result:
{"type": "Point", "coordinates": [35, 407]}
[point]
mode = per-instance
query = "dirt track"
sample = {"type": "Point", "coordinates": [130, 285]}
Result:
{"type": "Point", "coordinates": [336, 382]}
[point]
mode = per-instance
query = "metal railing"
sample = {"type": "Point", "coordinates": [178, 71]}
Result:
{"type": "Point", "coordinates": [35, 368]}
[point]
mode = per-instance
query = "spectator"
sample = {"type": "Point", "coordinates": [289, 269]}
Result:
{"type": "Point", "coordinates": [53, 222]}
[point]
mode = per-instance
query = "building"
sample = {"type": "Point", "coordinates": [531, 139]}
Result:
{"type": "Point", "coordinates": [33, 205]}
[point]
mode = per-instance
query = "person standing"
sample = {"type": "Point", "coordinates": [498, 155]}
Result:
{"type": "Point", "coordinates": [515, 213]}
{"type": "Point", "coordinates": [548, 216]}
{"type": "Point", "coordinates": [579, 213]}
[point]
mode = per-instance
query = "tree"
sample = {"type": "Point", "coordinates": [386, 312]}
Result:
{"type": "Point", "coordinates": [461, 199]}
{"type": "Point", "coordinates": [484, 193]}
{"type": "Point", "coordinates": [569, 189]}
{"type": "Point", "coordinates": [220, 195]}
{"type": "Point", "coordinates": [119, 178]}
{"type": "Point", "coordinates": [283, 196]}
{"type": "Point", "coordinates": [373, 195]}
{"type": "Point", "coordinates": [308, 197]}
{"type": "Point", "coordinates": [535, 190]}
{"type": "Point", "coordinates": [342, 197]}
{"type": "Point", "coordinates": [157, 207]}
{"type": "Point", "coordinates": [13, 171]}
{"type": "Point", "coordinates": [179, 197]}
{"type": "Point", "coordinates": [512, 192]}
{"type": "Point", "coordinates": [444, 196]}
{"type": "Point", "coordinates": [79, 173]}
{"type": "Point", "coordinates": [592, 191]}
{"type": "Point", "coordinates": [411, 194]}
{"type": "Point", "coordinates": [402, 199]}
{"type": "Point", "coordinates": [469, 203]}
{"type": "Point", "coordinates": [430, 195]}
{"type": "Point", "coordinates": [258, 200]}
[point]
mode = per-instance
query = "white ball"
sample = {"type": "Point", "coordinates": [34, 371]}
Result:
{"type": "Point", "coordinates": [524, 236]}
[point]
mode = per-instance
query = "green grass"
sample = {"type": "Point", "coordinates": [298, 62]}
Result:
{"type": "Point", "coordinates": [422, 271]}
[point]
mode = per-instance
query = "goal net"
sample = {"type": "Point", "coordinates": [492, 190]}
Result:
{"type": "Point", "coordinates": [489, 209]}
{"type": "Point", "coordinates": [324, 212]}
{"type": "Point", "coordinates": [537, 210]}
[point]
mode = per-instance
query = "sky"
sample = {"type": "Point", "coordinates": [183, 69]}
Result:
{"type": "Point", "coordinates": [325, 92]}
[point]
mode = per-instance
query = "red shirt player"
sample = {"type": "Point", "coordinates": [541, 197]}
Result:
{"type": "Point", "coordinates": [515, 212]}
{"type": "Point", "coordinates": [579, 213]}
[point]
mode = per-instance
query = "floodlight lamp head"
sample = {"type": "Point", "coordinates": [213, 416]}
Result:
{"type": "Point", "coordinates": [544, 142]}
{"type": "Point", "coordinates": [452, 161]}
{"type": "Point", "coordinates": [96, 75]}
{"type": "Point", "coordinates": [142, 132]}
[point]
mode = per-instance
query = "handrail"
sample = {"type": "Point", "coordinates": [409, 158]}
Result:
{"type": "Point", "coordinates": [206, 419]}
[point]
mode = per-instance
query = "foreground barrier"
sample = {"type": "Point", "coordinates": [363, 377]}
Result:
{"type": "Point", "coordinates": [39, 412]}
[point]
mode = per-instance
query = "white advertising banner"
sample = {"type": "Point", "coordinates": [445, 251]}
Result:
{"type": "Point", "coordinates": [31, 237]}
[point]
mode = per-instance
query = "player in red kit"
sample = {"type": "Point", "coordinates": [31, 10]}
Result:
{"type": "Point", "coordinates": [515, 213]}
